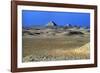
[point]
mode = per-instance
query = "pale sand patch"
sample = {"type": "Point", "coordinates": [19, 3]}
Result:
{"type": "Point", "coordinates": [82, 52]}
{"type": "Point", "coordinates": [63, 54]}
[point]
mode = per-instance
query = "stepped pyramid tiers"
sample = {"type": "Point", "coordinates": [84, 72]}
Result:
{"type": "Point", "coordinates": [51, 24]}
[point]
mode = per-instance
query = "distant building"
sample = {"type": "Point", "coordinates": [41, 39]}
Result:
{"type": "Point", "coordinates": [51, 24]}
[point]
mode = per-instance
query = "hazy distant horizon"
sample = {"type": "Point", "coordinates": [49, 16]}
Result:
{"type": "Point", "coordinates": [31, 18]}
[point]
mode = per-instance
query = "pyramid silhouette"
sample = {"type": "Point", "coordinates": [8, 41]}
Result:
{"type": "Point", "coordinates": [51, 24]}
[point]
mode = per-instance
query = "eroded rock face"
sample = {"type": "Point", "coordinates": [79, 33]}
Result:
{"type": "Point", "coordinates": [52, 32]}
{"type": "Point", "coordinates": [75, 33]}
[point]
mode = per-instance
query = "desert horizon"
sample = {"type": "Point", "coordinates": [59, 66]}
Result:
{"type": "Point", "coordinates": [55, 36]}
{"type": "Point", "coordinates": [54, 43]}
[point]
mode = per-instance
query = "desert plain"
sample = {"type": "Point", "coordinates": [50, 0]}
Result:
{"type": "Point", "coordinates": [53, 43]}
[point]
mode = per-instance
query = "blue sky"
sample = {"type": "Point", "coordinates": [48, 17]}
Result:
{"type": "Point", "coordinates": [41, 18]}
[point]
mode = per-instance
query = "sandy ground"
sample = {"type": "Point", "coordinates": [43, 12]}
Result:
{"type": "Point", "coordinates": [50, 48]}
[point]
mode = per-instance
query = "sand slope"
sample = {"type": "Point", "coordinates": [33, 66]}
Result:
{"type": "Point", "coordinates": [61, 54]}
